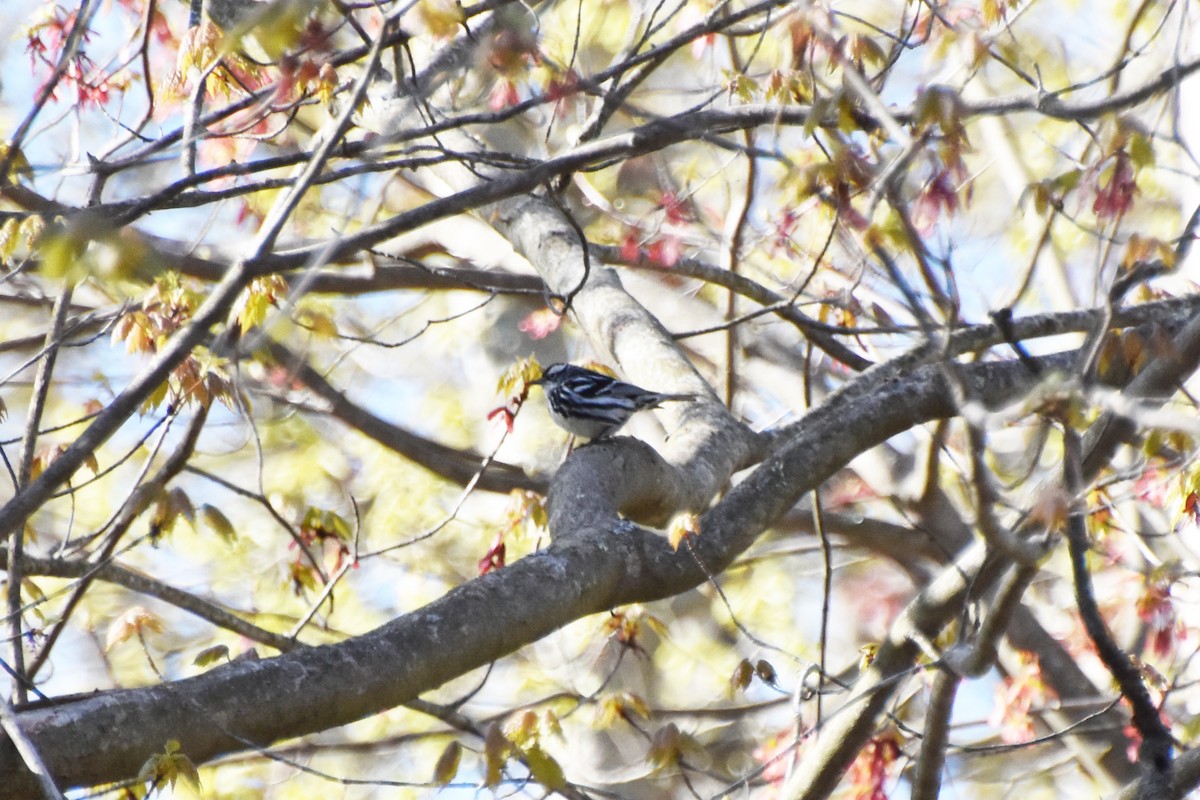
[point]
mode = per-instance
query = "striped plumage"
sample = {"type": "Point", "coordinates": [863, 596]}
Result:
{"type": "Point", "coordinates": [593, 405]}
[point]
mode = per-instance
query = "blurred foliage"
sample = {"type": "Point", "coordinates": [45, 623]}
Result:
{"type": "Point", "coordinates": [295, 518]}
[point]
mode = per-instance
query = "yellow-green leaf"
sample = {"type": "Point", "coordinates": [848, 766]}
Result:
{"type": "Point", "coordinates": [9, 238]}
{"type": "Point", "coordinates": [134, 622]}
{"type": "Point", "coordinates": [167, 767]}
{"type": "Point", "coordinates": [211, 655]}
{"type": "Point", "coordinates": [447, 764]}
{"type": "Point", "coordinates": [215, 519]}
{"type": "Point", "coordinates": [518, 376]}
{"type": "Point", "coordinates": [683, 526]}
{"type": "Point", "coordinates": [741, 677]}
{"type": "Point", "coordinates": [496, 749]}
{"type": "Point", "coordinates": [1141, 150]}
{"type": "Point", "coordinates": [664, 746]}
{"type": "Point", "coordinates": [442, 18]}
{"type": "Point", "coordinates": [30, 229]}
{"type": "Point", "coordinates": [62, 255]}
{"type": "Point", "coordinates": [544, 768]}
{"type": "Point", "coordinates": [522, 730]}
{"type": "Point", "coordinates": [18, 164]}
{"type": "Point", "coordinates": [275, 27]}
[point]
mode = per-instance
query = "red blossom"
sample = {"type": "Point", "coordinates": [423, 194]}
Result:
{"type": "Point", "coordinates": [664, 252]}
{"type": "Point", "coordinates": [55, 30]}
{"type": "Point", "coordinates": [92, 85]}
{"type": "Point", "coordinates": [247, 212]}
{"type": "Point", "coordinates": [785, 226]}
{"type": "Point", "coordinates": [1151, 487]}
{"type": "Point", "coordinates": [676, 208]}
{"type": "Point", "coordinates": [1135, 742]}
{"type": "Point", "coordinates": [161, 28]}
{"type": "Point", "coordinates": [90, 89]}
{"type": "Point", "coordinates": [509, 416]}
{"type": "Point", "coordinates": [775, 753]}
{"type": "Point", "coordinates": [630, 249]}
{"type": "Point", "coordinates": [938, 197]}
{"type": "Point", "coordinates": [289, 78]}
{"type": "Point", "coordinates": [1191, 506]}
{"type": "Point", "coordinates": [158, 22]}
{"type": "Point", "coordinates": [1135, 738]}
{"type": "Point", "coordinates": [872, 769]}
{"type": "Point", "coordinates": [1156, 609]}
{"type": "Point", "coordinates": [850, 215]}
{"type": "Point", "coordinates": [560, 88]}
{"type": "Point", "coordinates": [849, 490]}
{"type": "Point", "coordinates": [315, 37]}
{"type": "Point", "coordinates": [692, 16]}
{"type": "Point", "coordinates": [45, 42]}
{"type": "Point", "coordinates": [1015, 697]}
{"type": "Point", "coordinates": [493, 559]}
{"type": "Point", "coordinates": [1116, 196]}
{"type": "Point", "coordinates": [541, 323]}
{"type": "Point", "coordinates": [504, 95]}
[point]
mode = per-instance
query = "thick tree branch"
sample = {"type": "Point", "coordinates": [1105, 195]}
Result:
{"type": "Point", "coordinates": [602, 564]}
{"type": "Point", "coordinates": [1185, 777]}
{"type": "Point", "coordinates": [447, 151]}
{"type": "Point", "coordinates": [29, 754]}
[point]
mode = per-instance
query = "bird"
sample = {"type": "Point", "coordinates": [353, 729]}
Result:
{"type": "Point", "coordinates": [593, 405]}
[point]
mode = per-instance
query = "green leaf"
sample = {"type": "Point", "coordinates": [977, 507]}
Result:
{"type": "Point", "coordinates": [211, 655]}
{"type": "Point", "coordinates": [17, 163]}
{"type": "Point", "coordinates": [1141, 150]}
{"type": "Point", "coordinates": [9, 238]}
{"type": "Point", "coordinates": [665, 746]}
{"type": "Point", "coordinates": [215, 519]}
{"type": "Point", "coordinates": [544, 768]}
{"type": "Point", "coordinates": [742, 675]}
{"type": "Point", "coordinates": [62, 255]}
{"type": "Point", "coordinates": [274, 27]}
{"type": "Point", "coordinates": [496, 749]}
{"type": "Point", "coordinates": [167, 767]}
{"type": "Point", "coordinates": [447, 764]}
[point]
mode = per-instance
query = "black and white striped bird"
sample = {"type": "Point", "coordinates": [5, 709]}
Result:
{"type": "Point", "coordinates": [593, 405]}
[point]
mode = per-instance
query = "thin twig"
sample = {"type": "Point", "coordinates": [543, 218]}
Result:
{"type": "Point", "coordinates": [134, 506]}
{"type": "Point", "coordinates": [37, 405]}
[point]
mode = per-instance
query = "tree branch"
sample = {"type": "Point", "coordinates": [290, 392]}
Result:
{"type": "Point", "coordinates": [1154, 752]}
{"type": "Point", "coordinates": [602, 563]}
{"type": "Point", "coordinates": [448, 462]}
{"type": "Point", "coordinates": [14, 513]}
